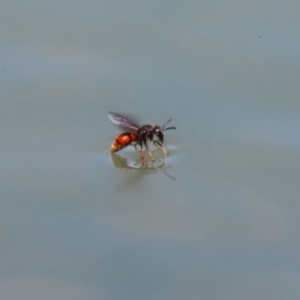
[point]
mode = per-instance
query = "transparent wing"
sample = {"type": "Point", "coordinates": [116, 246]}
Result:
{"type": "Point", "coordinates": [122, 122]}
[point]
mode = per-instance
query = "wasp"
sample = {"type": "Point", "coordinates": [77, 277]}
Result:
{"type": "Point", "coordinates": [137, 136]}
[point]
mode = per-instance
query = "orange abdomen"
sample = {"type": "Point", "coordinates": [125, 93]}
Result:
{"type": "Point", "coordinates": [122, 141]}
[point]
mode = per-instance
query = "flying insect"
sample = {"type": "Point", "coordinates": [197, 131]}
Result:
{"type": "Point", "coordinates": [138, 136]}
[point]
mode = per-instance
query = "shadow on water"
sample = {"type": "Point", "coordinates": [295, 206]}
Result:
{"type": "Point", "coordinates": [138, 170]}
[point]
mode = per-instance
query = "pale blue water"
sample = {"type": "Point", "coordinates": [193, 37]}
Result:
{"type": "Point", "coordinates": [218, 218]}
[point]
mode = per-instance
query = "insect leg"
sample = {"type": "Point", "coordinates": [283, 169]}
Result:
{"type": "Point", "coordinates": [139, 147]}
{"type": "Point", "coordinates": [150, 153]}
{"type": "Point", "coordinates": [142, 156]}
{"type": "Point", "coordinates": [160, 147]}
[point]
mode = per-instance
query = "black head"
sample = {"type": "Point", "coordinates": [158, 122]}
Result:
{"type": "Point", "coordinates": [158, 130]}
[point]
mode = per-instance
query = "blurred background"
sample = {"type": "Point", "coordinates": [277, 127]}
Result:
{"type": "Point", "coordinates": [216, 219]}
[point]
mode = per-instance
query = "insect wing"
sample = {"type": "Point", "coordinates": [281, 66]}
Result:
{"type": "Point", "coordinates": [122, 121]}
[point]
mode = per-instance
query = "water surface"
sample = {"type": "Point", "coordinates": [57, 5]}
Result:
{"type": "Point", "coordinates": [217, 218]}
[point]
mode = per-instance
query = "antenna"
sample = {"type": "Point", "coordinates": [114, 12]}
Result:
{"type": "Point", "coordinates": [163, 128]}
